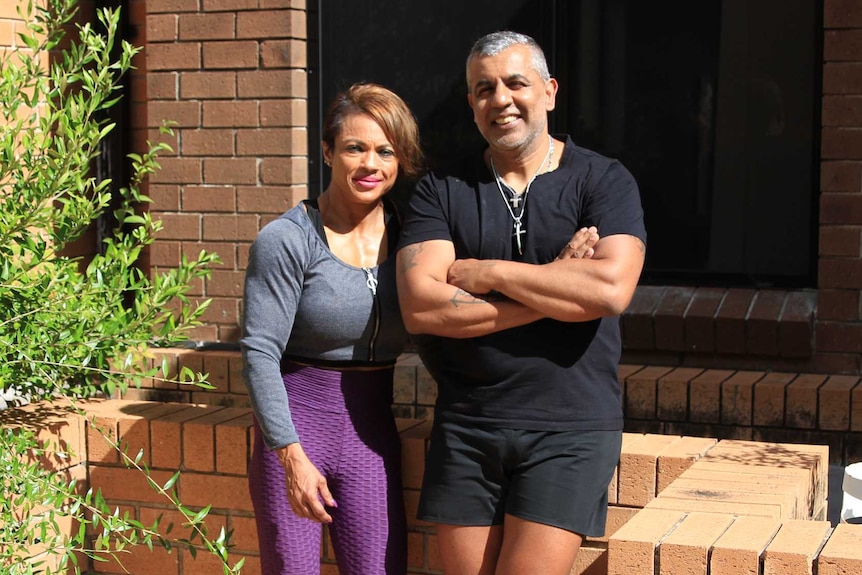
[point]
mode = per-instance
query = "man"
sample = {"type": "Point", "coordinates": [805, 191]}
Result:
{"type": "Point", "coordinates": [521, 336]}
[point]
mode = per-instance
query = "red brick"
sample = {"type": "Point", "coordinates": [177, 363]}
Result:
{"type": "Point", "coordinates": [842, 111]}
{"type": "Point", "coordinates": [230, 171]}
{"type": "Point", "coordinates": [186, 56]}
{"type": "Point", "coordinates": [842, 45]}
{"type": "Point", "coordinates": [228, 5]}
{"type": "Point", "coordinates": [166, 436]}
{"type": "Point", "coordinates": [730, 324]}
{"type": "Point", "coordinates": [217, 114]}
{"type": "Point", "coordinates": [796, 324]}
{"type": "Point", "coordinates": [207, 85]}
{"type": "Point", "coordinates": [840, 241]}
{"type": "Point", "coordinates": [762, 324]}
{"type": "Point", "coordinates": [687, 548]}
{"type": "Point", "coordinates": [221, 310]}
{"type": "Point", "coordinates": [230, 55]}
{"type": "Point", "coordinates": [123, 484]}
{"type": "Point", "coordinates": [161, 28]}
{"type": "Point", "coordinates": [840, 273]}
{"type": "Point", "coordinates": [769, 395]}
{"type": "Point", "coordinates": [183, 114]}
{"type": "Point", "coordinates": [841, 143]}
{"type": "Point", "coordinates": [272, 142]}
{"type": "Point", "coordinates": [217, 227]}
{"type": "Point", "coordinates": [641, 392]}
{"type": "Point", "coordinates": [207, 142]}
{"type": "Point", "coordinates": [233, 448]}
{"type": "Point", "coordinates": [177, 171]}
{"type": "Point", "coordinates": [271, 24]}
{"type": "Point", "coordinates": [794, 548]}
{"type": "Point", "coordinates": [842, 553]}
{"type": "Point", "coordinates": [638, 469]}
{"type": "Point", "coordinates": [270, 199]}
{"type": "Point", "coordinates": [841, 208]}
{"type": "Point", "coordinates": [162, 86]}
{"type": "Point", "coordinates": [225, 250]}
{"type": "Point", "coordinates": [244, 533]}
{"type": "Point", "coordinates": [673, 394]}
{"type": "Point", "coordinates": [678, 457]}
{"type": "Point", "coordinates": [634, 547]}
{"type": "Point", "coordinates": [835, 397]}
{"type": "Point", "coordinates": [291, 112]}
{"type": "Point", "coordinates": [591, 561]}
{"type": "Point", "coordinates": [840, 176]}
{"type": "Point", "coordinates": [203, 26]}
{"type": "Point", "coordinates": [180, 227]}
{"type": "Point", "coordinates": [842, 14]}
{"type": "Point", "coordinates": [225, 283]}
{"type": "Point", "coordinates": [165, 254]}
{"type": "Point", "coordinates": [209, 199]}
{"type": "Point", "coordinates": [272, 84]}
{"type": "Point", "coordinates": [839, 337]}
{"type": "Point", "coordinates": [705, 396]}
{"type": "Point", "coordinates": [166, 198]}
{"type": "Point", "coordinates": [283, 54]}
{"type": "Point", "coordinates": [290, 171]}
{"type": "Point", "coordinates": [842, 78]}
{"type": "Point", "coordinates": [736, 397]}
{"type": "Point", "coordinates": [700, 319]}
{"type": "Point", "coordinates": [801, 410]}
{"type": "Point", "coordinates": [738, 550]}
{"type": "Point", "coordinates": [668, 318]}
{"type": "Point", "coordinates": [222, 492]}
{"type": "Point", "coordinates": [199, 438]}
{"type": "Point", "coordinates": [156, 6]}
{"type": "Point", "coordinates": [139, 559]}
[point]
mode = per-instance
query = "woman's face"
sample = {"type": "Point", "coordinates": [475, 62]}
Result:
{"type": "Point", "coordinates": [364, 163]}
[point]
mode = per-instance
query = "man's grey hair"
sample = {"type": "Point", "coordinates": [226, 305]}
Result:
{"type": "Point", "coordinates": [495, 42]}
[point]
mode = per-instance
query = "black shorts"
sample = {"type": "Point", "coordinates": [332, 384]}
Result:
{"type": "Point", "coordinates": [475, 475]}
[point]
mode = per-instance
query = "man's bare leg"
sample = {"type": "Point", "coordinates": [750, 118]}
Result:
{"type": "Point", "coordinates": [531, 548]}
{"type": "Point", "coordinates": [467, 550]}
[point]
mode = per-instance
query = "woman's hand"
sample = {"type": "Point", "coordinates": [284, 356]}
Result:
{"type": "Point", "coordinates": [581, 245]}
{"type": "Point", "coordinates": [306, 486]}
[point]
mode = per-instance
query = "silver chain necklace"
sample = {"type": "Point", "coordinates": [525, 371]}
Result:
{"type": "Point", "coordinates": [517, 227]}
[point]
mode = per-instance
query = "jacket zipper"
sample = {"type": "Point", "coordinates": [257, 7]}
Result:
{"type": "Point", "coordinates": [371, 283]}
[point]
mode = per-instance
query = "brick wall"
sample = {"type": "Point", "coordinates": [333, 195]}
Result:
{"type": "Point", "coordinates": [231, 74]}
{"type": "Point", "coordinates": [677, 504]}
{"type": "Point", "coordinates": [760, 405]}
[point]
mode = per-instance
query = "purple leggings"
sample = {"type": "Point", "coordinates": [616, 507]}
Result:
{"type": "Point", "coordinates": [345, 424]}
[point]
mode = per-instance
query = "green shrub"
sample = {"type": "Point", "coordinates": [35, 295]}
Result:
{"type": "Point", "coordinates": [70, 328]}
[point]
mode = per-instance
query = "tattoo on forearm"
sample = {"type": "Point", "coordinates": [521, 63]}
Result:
{"type": "Point", "coordinates": [461, 297]}
{"type": "Point", "coordinates": [407, 257]}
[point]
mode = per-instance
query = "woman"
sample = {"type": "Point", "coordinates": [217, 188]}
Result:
{"type": "Point", "coordinates": [322, 327]}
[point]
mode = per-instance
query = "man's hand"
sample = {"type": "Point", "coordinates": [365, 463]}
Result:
{"type": "Point", "coordinates": [306, 486]}
{"type": "Point", "coordinates": [581, 245]}
{"type": "Point", "coordinates": [472, 275]}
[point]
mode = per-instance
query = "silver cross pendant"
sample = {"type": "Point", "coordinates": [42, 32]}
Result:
{"type": "Point", "coordinates": [519, 231]}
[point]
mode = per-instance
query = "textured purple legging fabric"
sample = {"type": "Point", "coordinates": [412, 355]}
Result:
{"type": "Point", "coordinates": [345, 424]}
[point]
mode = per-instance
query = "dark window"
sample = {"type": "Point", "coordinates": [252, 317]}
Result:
{"type": "Point", "coordinates": [712, 105]}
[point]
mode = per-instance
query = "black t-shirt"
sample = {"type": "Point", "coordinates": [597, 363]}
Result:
{"type": "Point", "coordinates": [547, 375]}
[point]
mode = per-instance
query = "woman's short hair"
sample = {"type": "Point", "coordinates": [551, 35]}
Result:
{"type": "Point", "coordinates": [391, 114]}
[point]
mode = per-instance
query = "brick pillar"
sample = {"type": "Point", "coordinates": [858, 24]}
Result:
{"type": "Point", "coordinates": [839, 329]}
{"type": "Point", "coordinates": [231, 74]}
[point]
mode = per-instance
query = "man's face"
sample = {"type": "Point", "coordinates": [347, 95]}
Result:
{"type": "Point", "coordinates": [510, 101]}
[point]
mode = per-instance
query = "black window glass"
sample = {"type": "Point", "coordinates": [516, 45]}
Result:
{"type": "Point", "coordinates": [712, 105]}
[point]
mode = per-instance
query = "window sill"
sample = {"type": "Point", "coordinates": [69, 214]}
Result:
{"type": "Point", "coordinates": [773, 323]}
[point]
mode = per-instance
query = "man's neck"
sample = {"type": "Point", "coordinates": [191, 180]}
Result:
{"type": "Point", "coordinates": [518, 167]}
